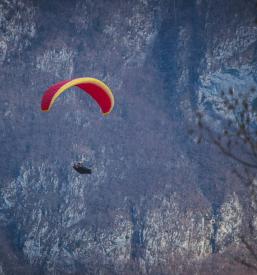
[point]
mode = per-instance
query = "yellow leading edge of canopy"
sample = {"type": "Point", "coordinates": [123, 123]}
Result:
{"type": "Point", "coordinates": [80, 81]}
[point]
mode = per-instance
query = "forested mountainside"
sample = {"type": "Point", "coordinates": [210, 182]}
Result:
{"type": "Point", "coordinates": [156, 203]}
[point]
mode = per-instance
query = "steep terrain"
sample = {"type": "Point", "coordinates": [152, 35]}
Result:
{"type": "Point", "coordinates": [156, 202]}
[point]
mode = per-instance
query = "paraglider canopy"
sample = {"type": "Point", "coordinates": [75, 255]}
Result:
{"type": "Point", "coordinates": [99, 91]}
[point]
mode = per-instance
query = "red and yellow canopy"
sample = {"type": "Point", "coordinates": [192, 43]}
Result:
{"type": "Point", "coordinates": [99, 91]}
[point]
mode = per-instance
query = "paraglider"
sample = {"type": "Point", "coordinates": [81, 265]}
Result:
{"type": "Point", "coordinates": [99, 91]}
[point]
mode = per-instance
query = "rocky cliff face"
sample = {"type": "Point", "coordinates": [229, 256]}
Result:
{"type": "Point", "coordinates": [150, 205]}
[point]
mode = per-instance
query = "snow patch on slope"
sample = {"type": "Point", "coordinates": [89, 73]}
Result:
{"type": "Point", "coordinates": [17, 22]}
{"type": "Point", "coordinates": [211, 84]}
{"type": "Point", "coordinates": [57, 62]}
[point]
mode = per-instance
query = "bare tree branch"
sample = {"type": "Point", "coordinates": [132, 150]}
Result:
{"type": "Point", "coordinates": [238, 141]}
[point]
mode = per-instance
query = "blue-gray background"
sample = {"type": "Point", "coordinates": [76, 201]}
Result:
{"type": "Point", "coordinates": [155, 199]}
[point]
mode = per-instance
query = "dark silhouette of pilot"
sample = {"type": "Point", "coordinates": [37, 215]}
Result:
{"type": "Point", "coordinates": [81, 169]}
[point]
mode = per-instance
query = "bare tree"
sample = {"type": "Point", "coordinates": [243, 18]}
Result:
{"type": "Point", "coordinates": [236, 138]}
